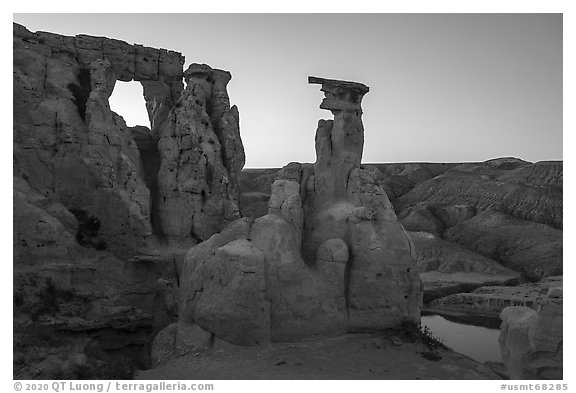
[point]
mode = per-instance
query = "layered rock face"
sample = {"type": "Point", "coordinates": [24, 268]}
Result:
{"type": "Point", "coordinates": [525, 191]}
{"type": "Point", "coordinates": [93, 244]}
{"type": "Point", "coordinates": [531, 341]}
{"type": "Point", "coordinates": [446, 267]}
{"type": "Point", "coordinates": [490, 300]}
{"type": "Point", "coordinates": [329, 257]}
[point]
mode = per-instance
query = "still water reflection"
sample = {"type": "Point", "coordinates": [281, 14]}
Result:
{"type": "Point", "coordinates": [475, 337]}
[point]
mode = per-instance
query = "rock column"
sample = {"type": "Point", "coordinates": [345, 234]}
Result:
{"type": "Point", "coordinates": [199, 143]}
{"type": "Point", "coordinates": [348, 206]}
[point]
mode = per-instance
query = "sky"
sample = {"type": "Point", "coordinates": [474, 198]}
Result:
{"type": "Point", "coordinates": [443, 87]}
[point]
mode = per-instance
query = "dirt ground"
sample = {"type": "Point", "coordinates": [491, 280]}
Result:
{"type": "Point", "coordinates": [348, 357]}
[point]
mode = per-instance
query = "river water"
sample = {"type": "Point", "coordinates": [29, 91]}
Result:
{"type": "Point", "coordinates": [475, 337]}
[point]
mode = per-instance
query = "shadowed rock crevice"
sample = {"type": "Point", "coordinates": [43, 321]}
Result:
{"type": "Point", "coordinates": [81, 91]}
{"type": "Point", "coordinates": [147, 145]}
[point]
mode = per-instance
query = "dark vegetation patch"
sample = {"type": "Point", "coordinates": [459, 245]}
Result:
{"type": "Point", "coordinates": [418, 334]}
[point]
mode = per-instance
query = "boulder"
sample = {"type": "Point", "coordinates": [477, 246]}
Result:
{"type": "Point", "coordinates": [231, 295]}
{"type": "Point", "coordinates": [531, 341]}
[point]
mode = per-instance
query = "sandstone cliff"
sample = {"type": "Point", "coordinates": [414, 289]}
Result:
{"type": "Point", "coordinates": [103, 213]}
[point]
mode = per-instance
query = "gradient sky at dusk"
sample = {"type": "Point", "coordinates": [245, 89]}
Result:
{"type": "Point", "coordinates": [443, 87]}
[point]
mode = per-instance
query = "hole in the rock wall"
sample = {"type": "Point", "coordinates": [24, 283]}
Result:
{"type": "Point", "coordinates": [88, 227]}
{"type": "Point", "coordinates": [127, 100]}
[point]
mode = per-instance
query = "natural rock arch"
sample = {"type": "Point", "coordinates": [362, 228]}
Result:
{"type": "Point", "coordinates": [86, 147]}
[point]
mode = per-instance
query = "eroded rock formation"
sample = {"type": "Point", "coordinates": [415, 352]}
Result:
{"type": "Point", "coordinates": [531, 341]}
{"type": "Point", "coordinates": [329, 257]}
{"type": "Point", "coordinates": [73, 149]}
{"type": "Point", "coordinates": [201, 155]}
{"type": "Point", "coordinates": [475, 224]}
{"type": "Point", "coordinates": [93, 238]}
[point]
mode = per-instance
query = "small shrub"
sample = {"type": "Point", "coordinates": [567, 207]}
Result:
{"type": "Point", "coordinates": [416, 333]}
{"type": "Point", "coordinates": [428, 338]}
